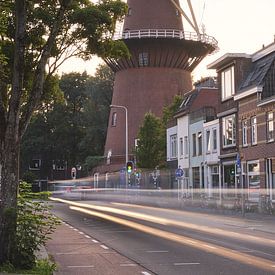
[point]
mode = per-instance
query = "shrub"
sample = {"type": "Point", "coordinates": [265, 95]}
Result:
{"type": "Point", "coordinates": [34, 225]}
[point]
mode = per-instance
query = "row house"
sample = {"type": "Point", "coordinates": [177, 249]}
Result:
{"type": "Point", "coordinates": [215, 127]}
{"type": "Point", "coordinates": [247, 91]}
{"type": "Point", "coordinates": [185, 134]}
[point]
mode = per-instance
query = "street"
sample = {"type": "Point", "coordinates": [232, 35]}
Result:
{"type": "Point", "coordinates": [168, 241]}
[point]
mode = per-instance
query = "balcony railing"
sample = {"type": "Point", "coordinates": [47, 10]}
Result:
{"type": "Point", "coordinates": [167, 33]}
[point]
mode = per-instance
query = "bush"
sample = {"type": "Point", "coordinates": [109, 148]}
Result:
{"type": "Point", "coordinates": [34, 225]}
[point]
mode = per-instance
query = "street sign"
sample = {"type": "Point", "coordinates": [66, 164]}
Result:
{"type": "Point", "coordinates": [179, 173]}
{"type": "Point", "coordinates": [238, 161]}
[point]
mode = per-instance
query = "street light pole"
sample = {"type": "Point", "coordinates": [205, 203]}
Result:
{"type": "Point", "coordinates": [126, 129]}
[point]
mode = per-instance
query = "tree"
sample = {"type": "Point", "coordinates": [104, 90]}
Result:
{"type": "Point", "coordinates": [151, 145]}
{"type": "Point", "coordinates": [73, 129]}
{"type": "Point", "coordinates": [32, 45]}
{"type": "Point", "coordinates": [170, 110]}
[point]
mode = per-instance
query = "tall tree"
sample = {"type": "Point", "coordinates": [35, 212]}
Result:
{"type": "Point", "coordinates": [42, 30]}
{"type": "Point", "coordinates": [150, 151]}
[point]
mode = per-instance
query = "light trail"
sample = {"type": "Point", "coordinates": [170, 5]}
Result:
{"type": "Point", "coordinates": [164, 221]}
{"type": "Point", "coordinates": [201, 245]}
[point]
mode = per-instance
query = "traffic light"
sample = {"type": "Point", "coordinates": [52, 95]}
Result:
{"type": "Point", "coordinates": [130, 167]}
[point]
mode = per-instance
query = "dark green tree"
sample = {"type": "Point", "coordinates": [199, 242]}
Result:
{"type": "Point", "coordinates": [37, 35]}
{"type": "Point", "coordinates": [151, 145]}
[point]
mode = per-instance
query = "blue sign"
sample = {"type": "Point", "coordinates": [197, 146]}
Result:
{"type": "Point", "coordinates": [179, 173]}
{"type": "Point", "coordinates": [238, 161]}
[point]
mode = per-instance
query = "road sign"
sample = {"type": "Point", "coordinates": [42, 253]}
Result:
{"type": "Point", "coordinates": [179, 173]}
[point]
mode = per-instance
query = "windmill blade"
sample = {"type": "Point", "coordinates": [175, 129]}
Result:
{"type": "Point", "coordinates": [193, 25]}
{"type": "Point", "coordinates": [193, 16]}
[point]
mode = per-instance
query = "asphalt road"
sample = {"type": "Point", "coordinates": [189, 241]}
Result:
{"type": "Point", "coordinates": [174, 242]}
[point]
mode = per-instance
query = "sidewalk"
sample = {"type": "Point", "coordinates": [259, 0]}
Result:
{"type": "Point", "coordinates": [76, 253]}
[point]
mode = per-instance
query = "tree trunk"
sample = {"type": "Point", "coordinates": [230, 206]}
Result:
{"type": "Point", "coordinates": [9, 144]}
{"type": "Point", "coordinates": [8, 197]}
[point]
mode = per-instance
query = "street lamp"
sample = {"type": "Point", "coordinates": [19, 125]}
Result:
{"type": "Point", "coordinates": [126, 129]}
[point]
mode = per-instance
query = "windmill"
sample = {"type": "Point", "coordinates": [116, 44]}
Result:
{"type": "Point", "coordinates": [163, 55]}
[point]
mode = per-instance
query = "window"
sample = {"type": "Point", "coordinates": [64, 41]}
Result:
{"type": "Point", "coordinates": [35, 164]}
{"type": "Point", "coordinates": [229, 176]}
{"type": "Point", "coordinates": [214, 139]}
{"type": "Point", "coordinates": [244, 131]}
{"type": "Point", "coordinates": [228, 83]}
{"type": "Point", "coordinates": [229, 131]}
{"type": "Point", "coordinates": [215, 176]}
{"type": "Point", "coordinates": [181, 147]}
{"type": "Point", "coordinates": [114, 119]}
{"type": "Point", "coordinates": [199, 143]}
{"type": "Point", "coordinates": [270, 127]}
{"type": "Point", "coordinates": [143, 59]}
{"type": "Point", "coordinates": [253, 175]}
{"type": "Point", "coordinates": [173, 146]}
{"type": "Point", "coordinates": [129, 12]}
{"type": "Point", "coordinates": [196, 177]}
{"type": "Point", "coordinates": [186, 148]}
{"type": "Point", "coordinates": [254, 130]}
{"type": "Point", "coordinates": [194, 144]}
{"type": "Point", "coordinates": [208, 141]}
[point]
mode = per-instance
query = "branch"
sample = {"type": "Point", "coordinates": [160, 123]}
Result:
{"type": "Point", "coordinates": [39, 76]}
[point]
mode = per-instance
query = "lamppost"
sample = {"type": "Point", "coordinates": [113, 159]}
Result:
{"type": "Point", "coordinates": [126, 129]}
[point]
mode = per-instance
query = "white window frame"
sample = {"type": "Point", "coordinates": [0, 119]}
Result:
{"type": "Point", "coordinates": [199, 136]}
{"type": "Point", "coordinates": [173, 146]}
{"type": "Point", "coordinates": [215, 140]}
{"type": "Point", "coordinates": [244, 132]}
{"type": "Point", "coordinates": [228, 83]}
{"type": "Point", "coordinates": [181, 147]}
{"type": "Point", "coordinates": [270, 126]}
{"type": "Point", "coordinates": [225, 124]}
{"type": "Point", "coordinates": [194, 144]}
{"type": "Point", "coordinates": [254, 131]}
{"type": "Point", "coordinates": [186, 146]}
{"type": "Point", "coordinates": [208, 141]}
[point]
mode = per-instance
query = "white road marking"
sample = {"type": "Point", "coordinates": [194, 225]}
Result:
{"type": "Point", "coordinates": [145, 273]}
{"type": "Point", "coordinates": [95, 241]}
{"type": "Point", "coordinates": [80, 266]}
{"type": "Point", "coordinates": [81, 233]}
{"type": "Point", "coordinates": [67, 253]}
{"type": "Point", "coordinates": [186, 263]}
{"type": "Point", "coordinates": [88, 237]}
{"type": "Point", "coordinates": [157, 251]}
{"type": "Point", "coordinates": [75, 229]}
{"type": "Point", "coordinates": [104, 246]}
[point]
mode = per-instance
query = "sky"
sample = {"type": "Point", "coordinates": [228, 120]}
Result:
{"type": "Point", "coordinates": [240, 26]}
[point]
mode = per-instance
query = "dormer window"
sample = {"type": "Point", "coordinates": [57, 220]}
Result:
{"type": "Point", "coordinates": [227, 83]}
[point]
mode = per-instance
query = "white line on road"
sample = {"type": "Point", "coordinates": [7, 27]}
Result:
{"type": "Point", "coordinates": [145, 273]}
{"type": "Point", "coordinates": [104, 246]}
{"type": "Point", "coordinates": [81, 266]}
{"type": "Point", "coordinates": [67, 253]}
{"type": "Point", "coordinates": [81, 233]}
{"type": "Point", "coordinates": [88, 237]}
{"type": "Point", "coordinates": [157, 251]}
{"type": "Point", "coordinates": [75, 229]}
{"type": "Point", "coordinates": [95, 241]}
{"type": "Point", "coordinates": [186, 263]}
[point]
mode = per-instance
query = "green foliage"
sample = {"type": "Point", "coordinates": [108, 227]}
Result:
{"type": "Point", "coordinates": [170, 110]}
{"type": "Point", "coordinates": [75, 128]}
{"type": "Point", "coordinates": [42, 267]}
{"type": "Point", "coordinates": [151, 145]}
{"type": "Point", "coordinates": [34, 225]}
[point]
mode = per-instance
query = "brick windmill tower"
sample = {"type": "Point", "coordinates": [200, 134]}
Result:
{"type": "Point", "coordinates": [163, 56]}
